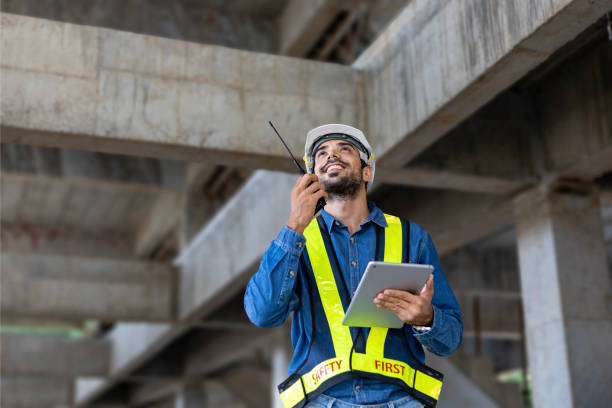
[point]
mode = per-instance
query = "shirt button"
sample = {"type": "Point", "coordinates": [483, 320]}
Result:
{"type": "Point", "coordinates": [291, 273]}
{"type": "Point", "coordinates": [337, 223]}
{"type": "Point", "coordinates": [299, 244]}
{"type": "Point", "coordinates": [354, 263]}
{"type": "Point", "coordinates": [353, 240]}
{"type": "Point", "coordinates": [357, 388]}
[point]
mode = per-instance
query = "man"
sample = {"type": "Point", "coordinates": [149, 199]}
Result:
{"type": "Point", "coordinates": [313, 268]}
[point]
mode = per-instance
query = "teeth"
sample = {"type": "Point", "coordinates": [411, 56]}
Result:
{"type": "Point", "coordinates": [334, 167]}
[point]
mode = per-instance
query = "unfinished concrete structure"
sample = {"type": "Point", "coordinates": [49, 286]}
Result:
{"type": "Point", "coordinates": [132, 211]}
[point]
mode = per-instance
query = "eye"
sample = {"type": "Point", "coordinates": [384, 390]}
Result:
{"type": "Point", "coordinates": [320, 153]}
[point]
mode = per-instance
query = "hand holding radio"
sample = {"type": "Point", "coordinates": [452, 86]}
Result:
{"type": "Point", "coordinates": [305, 196]}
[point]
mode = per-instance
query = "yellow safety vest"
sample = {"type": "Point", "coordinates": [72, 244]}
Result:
{"type": "Point", "coordinates": [424, 383]}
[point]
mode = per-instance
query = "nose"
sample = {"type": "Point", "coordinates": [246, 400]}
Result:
{"type": "Point", "coordinates": [334, 153]}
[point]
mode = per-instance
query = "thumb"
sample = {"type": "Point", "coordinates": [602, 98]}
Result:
{"type": "Point", "coordinates": [428, 289]}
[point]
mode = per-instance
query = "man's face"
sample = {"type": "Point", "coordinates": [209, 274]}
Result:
{"type": "Point", "coordinates": [338, 167]}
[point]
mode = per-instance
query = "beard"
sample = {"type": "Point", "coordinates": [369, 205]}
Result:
{"type": "Point", "coordinates": [343, 187]}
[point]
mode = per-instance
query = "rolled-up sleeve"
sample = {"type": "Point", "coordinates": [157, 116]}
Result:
{"type": "Point", "coordinates": [446, 332]}
{"type": "Point", "coordinates": [270, 294]}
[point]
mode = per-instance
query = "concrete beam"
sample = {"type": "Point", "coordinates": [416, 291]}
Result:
{"type": "Point", "coordinates": [31, 355]}
{"type": "Point", "coordinates": [447, 180]}
{"type": "Point", "coordinates": [84, 165]}
{"type": "Point", "coordinates": [334, 37]}
{"type": "Point", "coordinates": [143, 106]}
{"type": "Point", "coordinates": [301, 24]}
{"type": "Point", "coordinates": [150, 392]}
{"type": "Point", "coordinates": [161, 221]}
{"type": "Point", "coordinates": [533, 128]}
{"type": "Point", "coordinates": [453, 219]}
{"type": "Point", "coordinates": [80, 288]}
{"type": "Point", "coordinates": [127, 93]}
{"type": "Point", "coordinates": [35, 392]}
{"type": "Point", "coordinates": [25, 237]}
{"type": "Point", "coordinates": [477, 48]}
{"type": "Point", "coordinates": [232, 244]}
{"type": "Point", "coordinates": [134, 343]}
{"type": "Point", "coordinates": [495, 142]}
{"type": "Point", "coordinates": [75, 204]}
{"type": "Point", "coordinates": [197, 175]}
{"type": "Point", "coordinates": [575, 109]}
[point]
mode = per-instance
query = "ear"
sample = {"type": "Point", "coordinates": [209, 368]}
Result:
{"type": "Point", "coordinates": [366, 173]}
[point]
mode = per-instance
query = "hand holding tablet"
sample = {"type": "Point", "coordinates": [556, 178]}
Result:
{"type": "Point", "coordinates": [410, 308]}
{"type": "Point", "coordinates": [398, 280]}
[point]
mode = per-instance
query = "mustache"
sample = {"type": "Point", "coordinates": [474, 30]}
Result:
{"type": "Point", "coordinates": [333, 161]}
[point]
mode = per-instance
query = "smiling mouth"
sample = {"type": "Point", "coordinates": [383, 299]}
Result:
{"type": "Point", "coordinates": [334, 168]}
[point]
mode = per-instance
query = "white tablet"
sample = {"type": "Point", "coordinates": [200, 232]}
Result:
{"type": "Point", "coordinates": [378, 276]}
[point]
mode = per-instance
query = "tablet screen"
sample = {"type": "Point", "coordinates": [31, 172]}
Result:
{"type": "Point", "coordinates": [362, 312]}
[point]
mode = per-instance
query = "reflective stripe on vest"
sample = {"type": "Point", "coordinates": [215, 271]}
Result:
{"type": "Point", "coordinates": [294, 391]}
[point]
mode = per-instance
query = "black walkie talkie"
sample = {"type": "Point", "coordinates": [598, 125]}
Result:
{"type": "Point", "coordinates": [321, 203]}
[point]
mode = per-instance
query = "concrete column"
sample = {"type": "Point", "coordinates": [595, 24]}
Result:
{"type": "Point", "coordinates": [280, 358]}
{"type": "Point", "coordinates": [566, 294]}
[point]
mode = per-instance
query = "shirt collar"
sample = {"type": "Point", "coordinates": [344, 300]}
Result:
{"type": "Point", "coordinates": [376, 216]}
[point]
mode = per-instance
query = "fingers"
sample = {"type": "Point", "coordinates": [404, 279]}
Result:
{"type": "Point", "coordinates": [306, 179]}
{"type": "Point", "coordinates": [411, 309]}
{"type": "Point", "coordinates": [321, 193]}
{"type": "Point", "coordinates": [304, 196]}
{"type": "Point", "coordinates": [388, 302]}
{"type": "Point", "coordinates": [400, 294]}
{"type": "Point", "coordinates": [313, 188]}
{"type": "Point", "coordinates": [428, 289]}
{"type": "Point", "coordinates": [407, 312]}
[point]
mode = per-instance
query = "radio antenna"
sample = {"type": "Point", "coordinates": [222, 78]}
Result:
{"type": "Point", "coordinates": [287, 147]}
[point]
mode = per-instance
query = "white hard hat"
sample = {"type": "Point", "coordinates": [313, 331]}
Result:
{"type": "Point", "coordinates": [320, 134]}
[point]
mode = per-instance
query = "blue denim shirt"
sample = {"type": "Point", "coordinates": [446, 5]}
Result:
{"type": "Point", "coordinates": [272, 294]}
